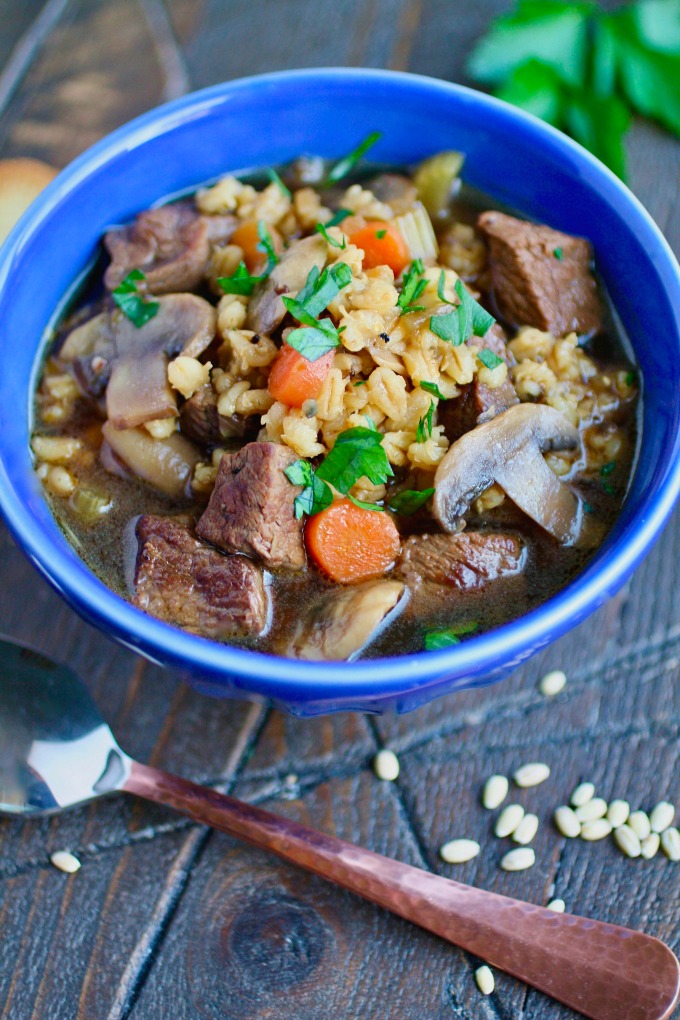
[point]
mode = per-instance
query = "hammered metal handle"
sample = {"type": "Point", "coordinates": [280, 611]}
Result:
{"type": "Point", "coordinates": [601, 970]}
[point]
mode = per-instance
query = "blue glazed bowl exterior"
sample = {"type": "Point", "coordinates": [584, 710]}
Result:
{"type": "Point", "coordinates": [513, 157]}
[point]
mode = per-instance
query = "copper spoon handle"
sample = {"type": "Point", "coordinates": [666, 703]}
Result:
{"type": "Point", "coordinates": [601, 970]}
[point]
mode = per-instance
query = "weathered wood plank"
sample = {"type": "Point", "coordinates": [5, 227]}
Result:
{"type": "Point", "coordinates": [99, 68]}
{"type": "Point", "coordinates": [17, 18]}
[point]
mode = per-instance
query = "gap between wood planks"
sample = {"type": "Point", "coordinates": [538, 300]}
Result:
{"type": "Point", "coordinates": [26, 50]}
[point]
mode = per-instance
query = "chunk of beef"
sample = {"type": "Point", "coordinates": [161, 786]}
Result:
{"type": "Point", "coordinates": [251, 507]}
{"type": "Point", "coordinates": [170, 245]}
{"type": "Point", "coordinates": [467, 560]}
{"type": "Point", "coordinates": [477, 402]}
{"type": "Point", "coordinates": [200, 421]}
{"type": "Point", "coordinates": [184, 582]}
{"type": "Point", "coordinates": [533, 285]}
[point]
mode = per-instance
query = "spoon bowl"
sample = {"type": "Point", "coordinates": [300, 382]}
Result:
{"type": "Point", "coordinates": [56, 752]}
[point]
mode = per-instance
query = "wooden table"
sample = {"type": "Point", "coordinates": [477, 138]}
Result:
{"type": "Point", "coordinates": [169, 920]}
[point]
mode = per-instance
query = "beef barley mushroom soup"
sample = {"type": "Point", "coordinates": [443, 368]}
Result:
{"type": "Point", "coordinates": [337, 410]}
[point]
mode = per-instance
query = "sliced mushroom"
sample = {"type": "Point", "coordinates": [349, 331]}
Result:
{"type": "Point", "coordinates": [339, 625]}
{"type": "Point", "coordinates": [509, 451]}
{"type": "Point", "coordinates": [167, 464]}
{"type": "Point", "coordinates": [266, 309]}
{"type": "Point", "coordinates": [171, 246]}
{"type": "Point", "coordinates": [109, 349]}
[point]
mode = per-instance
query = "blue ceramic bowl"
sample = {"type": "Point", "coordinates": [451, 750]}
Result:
{"type": "Point", "coordinates": [513, 157]}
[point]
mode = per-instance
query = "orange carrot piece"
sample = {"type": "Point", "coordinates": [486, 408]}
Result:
{"type": "Point", "coordinates": [351, 544]}
{"type": "Point", "coordinates": [383, 245]}
{"type": "Point", "coordinates": [247, 238]}
{"type": "Point", "coordinates": [293, 379]}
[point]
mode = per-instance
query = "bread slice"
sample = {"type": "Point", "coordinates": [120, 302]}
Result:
{"type": "Point", "coordinates": [21, 180]}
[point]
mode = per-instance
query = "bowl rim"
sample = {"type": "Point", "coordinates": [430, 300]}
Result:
{"type": "Point", "coordinates": [368, 679]}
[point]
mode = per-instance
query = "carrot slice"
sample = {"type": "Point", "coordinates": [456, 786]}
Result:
{"type": "Point", "coordinates": [293, 379]}
{"type": "Point", "coordinates": [351, 544]}
{"type": "Point", "coordinates": [383, 245]}
{"type": "Point", "coordinates": [247, 238]}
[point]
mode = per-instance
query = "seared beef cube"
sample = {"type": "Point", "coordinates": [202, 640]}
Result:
{"type": "Point", "coordinates": [466, 561]}
{"type": "Point", "coordinates": [477, 402]}
{"type": "Point", "coordinates": [170, 245]}
{"type": "Point", "coordinates": [184, 582]}
{"type": "Point", "coordinates": [200, 421]}
{"type": "Point", "coordinates": [541, 277]}
{"type": "Point", "coordinates": [251, 507]}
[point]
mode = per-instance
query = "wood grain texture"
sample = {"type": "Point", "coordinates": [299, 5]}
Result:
{"type": "Point", "coordinates": [167, 919]}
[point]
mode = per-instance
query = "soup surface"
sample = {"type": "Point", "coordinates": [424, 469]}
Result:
{"type": "Point", "coordinates": [337, 411]}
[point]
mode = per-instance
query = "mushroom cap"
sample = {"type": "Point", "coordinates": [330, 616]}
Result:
{"type": "Point", "coordinates": [509, 450]}
{"type": "Point", "coordinates": [109, 348]}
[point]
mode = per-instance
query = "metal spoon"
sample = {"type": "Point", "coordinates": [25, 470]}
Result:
{"type": "Point", "coordinates": [57, 752]}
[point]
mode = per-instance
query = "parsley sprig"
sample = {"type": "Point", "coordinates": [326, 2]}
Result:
{"type": "Point", "coordinates": [348, 162]}
{"type": "Point", "coordinates": [242, 281]}
{"type": "Point", "coordinates": [585, 70]}
{"type": "Point", "coordinates": [316, 336]}
{"type": "Point", "coordinates": [410, 500]}
{"type": "Point", "coordinates": [447, 636]}
{"type": "Point", "coordinates": [133, 304]}
{"type": "Point", "coordinates": [412, 287]}
{"type": "Point", "coordinates": [465, 320]}
{"type": "Point", "coordinates": [357, 453]}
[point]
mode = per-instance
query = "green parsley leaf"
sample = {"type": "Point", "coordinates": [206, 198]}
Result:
{"type": "Point", "coordinates": [631, 378]}
{"type": "Point", "coordinates": [266, 245]}
{"type": "Point", "coordinates": [489, 359]}
{"type": "Point", "coordinates": [587, 508]}
{"type": "Point", "coordinates": [441, 284]}
{"type": "Point", "coordinates": [465, 320]}
{"type": "Point", "coordinates": [607, 469]}
{"type": "Point", "coordinates": [599, 123]}
{"type": "Point", "coordinates": [558, 253]}
{"type": "Point", "coordinates": [411, 288]}
{"type": "Point", "coordinates": [364, 506]}
{"type": "Point", "coordinates": [134, 306]}
{"type": "Point", "coordinates": [275, 179]}
{"type": "Point", "coordinates": [312, 342]}
{"type": "Point", "coordinates": [348, 162]}
{"type": "Point", "coordinates": [649, 75]}
{"type": "Point", "coordinates": [299, 473]}
{"type": "Point", "coordinates": [240, 282]}
{"type": "Point", "coordinates": [424, 427]}
{"type": "Point", "coordinates": [357, 452]}
{"type": "Point", "coordinates": [447, 636]}
{"type": "Point", "coordinates": [320, 229]}
{"type": "Point", "coordinates": [537, 88]}
{"type": "Point", "coordinates": [319, 290]}
{"type": "Point", "coordinates": [608, 488]}
{"type": "Point", "coordinates": [359, 382]}
{"type": "Point", "coordinates": [432, 388]}
{"type": "Point", "coordinates": [380, 234]}
{"type": "Point", "coordinates": [410, 500]}
{"type": "Point", "coordinates": [337, 218]}
{"type": "Point", "coordinates": [315, 496]}
{"type": "Point", "coordinates": [548, 30]}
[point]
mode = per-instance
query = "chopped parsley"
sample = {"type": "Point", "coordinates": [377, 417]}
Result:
{"type": "Point", "coordinates": [360, 382]}
{"type": "Point", "coordinates": [432, 388]}
{"type": "Point", "coordinates": [607, 469]}
{"type": "Point", "coordinates": [240, 282]}
{"type": "Point", "coordinates": [412, 287]}
{"type": "Point", "coordinates": [410, 500]}
{"type": "Point", "coordinates": [320, 229]}
{"type": "Point", "coordinates": [316, 336]}
{"type": "Point", "coordinates": [558, 253]}
{"type": "Point", "coordinates": [424, 429]}
{"type": "Point", "coordinates": [441, 284]}
{"type": "Point", "coordinates": [631, 378]}
{"type": "Point", "coordinates": [337, 217]}
{"type": "Point", "coordinates": [348, 162]}
{"type": "Point", "coordinates": [448, 636]}
{"type": "Point", "coordinates": [275, 179]}
{"type": "Point", "coordinates": [587, 508]}
{"type": "Point", "coordinates": [380, 234]}
{"type": "Point", "coordinates": [465, 320]}
{"type": "Point", "coordinates": [489, 359]}
{"type": "Point", "coordinates": [315, 495]}
{"type": "Point", "coordinates": [266, 245]}
{"type": "Point", "coordinates": [362, 505]}
{"type": "Point", "coordinates": [357, 452]}
{"type": "Point", "coordinates": [134, 306]}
